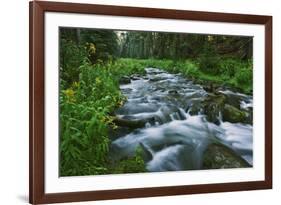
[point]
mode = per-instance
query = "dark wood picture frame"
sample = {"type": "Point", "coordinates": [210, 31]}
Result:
{"type": "Point", "coordinates": [37, 194]}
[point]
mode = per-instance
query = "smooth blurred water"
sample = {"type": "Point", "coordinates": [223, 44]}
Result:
{"type": "Point", "coordinates": [174, 139]}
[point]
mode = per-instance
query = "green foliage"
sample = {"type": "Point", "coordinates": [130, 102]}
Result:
{"type": "Point", "coordinates": [181, 46]}
{"type": "Point", "coordinates": [71, 57]}
{"type": "Point", "coordinates": [187, 68]}
{"type": "Point", "coordinates": [89, 84]}
{"type": "Point", "coordinates": [123, 67]}
{"type": "Point", "coordinates": [232, 72]}
{"type": "Point", "coordinates": [209, 60]}
{"type": "Point", "coordinates": [86, 105]}
{"type": "Point", "coordinates": [80, 46]}
{"type": "Point", "coordinates": [85, 109]}
{"type": "Point", "coordinates": [102, 44]}
{"type": "Point", "coordinates": [133, 164]}
{"type": "Point", "coordinates": [84, 120]}
{"type": "Point", "coordinates": [228, 67]}
{"type": "Point", "coordinates": [244, 78]}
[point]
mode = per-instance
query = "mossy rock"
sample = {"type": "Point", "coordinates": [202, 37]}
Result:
{"type": "Point", "coordinates": [213, 105]}
{"type": "Point", "coordinates": [233, 99]}
{"type": "Point", "coordinates": [145, 152]}
{"type": "Point", "coordinates": [216, 104]}
{"type": "Point", "coordinates": [124, 80]}
{"type": "Point", "coordinates": [218, 156]}
{"type": "Point", "coordinates": [133, 124]}
{"type": "Point", "coordinates": [232, 114]}
{"type": "Point", "coordinates": [210, 87]}
{"type": "Point", "coordinates": [194, 108]}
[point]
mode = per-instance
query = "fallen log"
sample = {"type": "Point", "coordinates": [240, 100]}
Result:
{"type": "Point", "coordinates": [130, 123]}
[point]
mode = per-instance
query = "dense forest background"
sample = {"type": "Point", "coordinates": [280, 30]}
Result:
{"type": "Point", "coordinates": [177, 46]}
{"type": "Point", "coordinates": [214, 54]}
{"type": "Point", "coordinates": [92, 63]}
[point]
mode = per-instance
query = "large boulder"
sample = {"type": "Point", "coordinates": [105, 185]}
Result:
{"type": "Point", "coordinates": [233, 98]}
{"type": "Point", "coordinates": [218, 156]}
{"type": "Point", "coordinates": [232, 114]}
{"type": "Point", "coordinates": [216, 108]}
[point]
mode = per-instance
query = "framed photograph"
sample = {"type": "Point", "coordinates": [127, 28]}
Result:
{"type": "Point", "coordinates": [139, 102]}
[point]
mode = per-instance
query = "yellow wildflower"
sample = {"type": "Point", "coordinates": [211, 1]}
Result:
{"type": "Point", "coordinates": [75, 84]}
{"type": "Point", "coordinates": [98, 81]}
{"type": "Point", "coordinates": [92, 48]}
{"type": "Point", "coordinates": [69, 94]}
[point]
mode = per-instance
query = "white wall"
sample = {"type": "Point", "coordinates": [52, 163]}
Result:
{"type": "Point", "coordinates": [14, 100]}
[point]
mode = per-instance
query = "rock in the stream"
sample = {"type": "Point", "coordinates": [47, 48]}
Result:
{"type": "Point", "coordinates": [155, 79]}
{"type": "Point", "coordinates": [216, 104]}
{"type": "Point", "coordinates": [232, 114]}
{"type": "Point", "coordinates": [118, 132]}
{"type": "Point", "coordinates": [194, 107]}
{"type": "Point", "coordinates": [133, 124]}
{"type": "Point", "coordinates": [218, 156]}
{"type": "Point", "coordinates": [146, 153]}
{"type": "Point", "coordinates": [124, 80]}
{"type": "Point", "coordinates": [233, 99]}
{"type": "Point", "coordinates": [212, 106]}
{"type": "Point", "coordinates": [173, 92]}
{"type": "Point", "coordinates": [135, 77]}
{"type": "Point", "coordinates": [210, 87]}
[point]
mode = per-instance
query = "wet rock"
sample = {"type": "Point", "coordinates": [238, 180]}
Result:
{"type": "Point", "coordinates": [216, 104]}
{"type": "Point", "coordinates": [135, 77]}
{"type": "Point", "coordinates": [232, 114]}
{"type": "Point", "coordinates": [133, 124]}
{"type": "Point", "coordinates": [194, 107]}
{"type": "Point", "coordinates": [118, 132]}
{"type": "Point", "coordinates": [218, 156]}
{"type": "Point", "coordinates": [212, 107]}
{"type": "Point", "coordinates": [173, 92]}
{"type": "Point", "coordinates": [210, 87]}
{"type": "Point", "coordinates": [146, 153]}
{"type": "Point", "coordinates": [155, 79]}
{"type": "Point", "coordinates": [197, 81]}
{"type": "Point", "coordinates": [249, 116]}
{"type": "Point", "coordinates": [191, 96]}
{"type": "Point", "coordinates": [125, 80]}
{"type": "Point", "coordinates": [165, 113]}
{"type": "Point", "coordinates": [233, 98]}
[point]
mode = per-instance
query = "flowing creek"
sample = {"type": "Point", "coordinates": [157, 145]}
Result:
{"type": "Point", "coordinates": [173, 138]}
